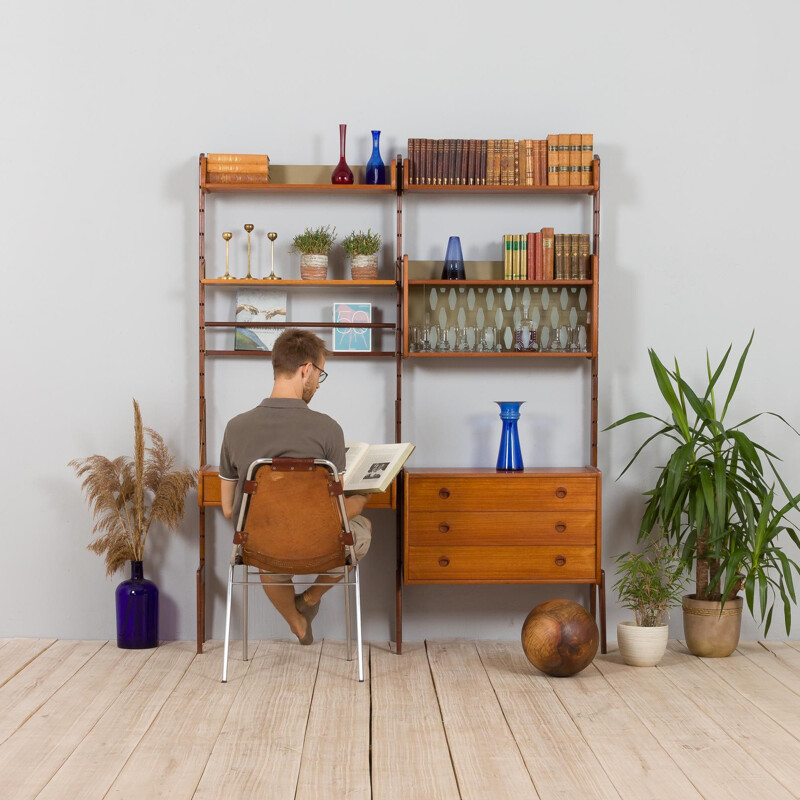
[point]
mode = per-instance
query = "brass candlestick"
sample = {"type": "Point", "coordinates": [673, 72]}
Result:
{"type": "Point", "coordinates": [272, 236]}
{"type": "Point", "coordinates": [227, 236]}
{"type": "Point", "coordinates": [249, 229]}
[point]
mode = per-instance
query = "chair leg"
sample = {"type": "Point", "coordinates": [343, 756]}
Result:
{"type": "Point", "coordinates": [358, 627]}
{"type": "Point", "coordinates": [347, 612]}
{"type": "Point", "coordinates": [245, 595]}
{"type": "Point", "coordinates": [227, 626]}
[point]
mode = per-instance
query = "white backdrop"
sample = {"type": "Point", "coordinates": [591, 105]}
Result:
{"type": "Point", "coordinates": [105, 109]}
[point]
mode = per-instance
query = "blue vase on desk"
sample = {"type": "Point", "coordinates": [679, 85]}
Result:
{"type": "Point", "coordinates": [509, 458]}
{"type": "Point", "coordinates": [137, 611]}
{"type": "Point", "coordinates": [376, 171]}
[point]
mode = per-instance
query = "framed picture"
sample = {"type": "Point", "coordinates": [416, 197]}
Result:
{"type": "Point", "coordinates": [356, 339]}
{"type": "Point", "coordinates": [258, 305]}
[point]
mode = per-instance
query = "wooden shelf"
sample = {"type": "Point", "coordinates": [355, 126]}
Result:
{"type": "Point", "coordinates": [502, 354]}
{"type": "Point", "coordinates": [268, 284]}
{"type": "Point", "coordinates": [332, 354]}
{"type": "Point", "coordinates": [496, 282]}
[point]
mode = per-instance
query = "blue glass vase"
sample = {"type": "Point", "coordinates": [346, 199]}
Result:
{"type": "Point", "coordinates": [453, 269]}
{"type": "Point", "coordinates": [509, 458]}
{"type": "Point", "coordinates": [376, 171]}
{"type": "Point", "coordinates": [137, 611]}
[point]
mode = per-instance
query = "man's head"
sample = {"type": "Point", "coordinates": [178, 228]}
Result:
{"type": "Point", "coordinates": [299, 356]}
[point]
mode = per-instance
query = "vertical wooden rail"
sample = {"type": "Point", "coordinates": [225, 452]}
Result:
{"type": "Point", "coordinates": [201, 534]}
{"type": "Point", "coordinates": [400, 341]}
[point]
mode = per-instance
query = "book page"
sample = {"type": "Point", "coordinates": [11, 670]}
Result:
{"type": "Point", "coordinates": [353, 452]}
{"type": "Point", "coordinates": [376, 467]}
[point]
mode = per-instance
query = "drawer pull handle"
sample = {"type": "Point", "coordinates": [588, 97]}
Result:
{"type": "Point", "coordinates": [444, 493]}
{"type": "Point", "coordinates": [444, 528]}
{"type": "Point", "coordinates": [561, 560]}
{"type": "Point", "coordinates": [561, 492]}
{"type": "Point", "coordinates": [444, 562]}
{"type": "Point", "coordinates": [561, 526]}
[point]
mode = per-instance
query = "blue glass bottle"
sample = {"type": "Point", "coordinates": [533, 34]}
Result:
{"type": "Point", "coordinates": [376, 171]}
{"type": "Point", "coordinates": [453, 269]}
{"type": "Point", "coordinates": [137, 611]}
{"type": "Point", "coordinates": [509, 458]}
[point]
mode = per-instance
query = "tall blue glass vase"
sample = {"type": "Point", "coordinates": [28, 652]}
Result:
{"type": "Point", "coordinates": [137, 611]}
{"type": "Point", "coordinates": [509, 458]}
{"type": "Point", "coordinates": [453, 269]}
{"type": "Point", "coordinates": [376, 170]}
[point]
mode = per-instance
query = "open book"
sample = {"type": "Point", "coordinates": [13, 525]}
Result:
{"type": "Point", "coordinates": [371, 468]}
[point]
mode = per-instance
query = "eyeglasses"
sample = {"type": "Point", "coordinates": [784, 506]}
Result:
{"type": "Point", "coordinates": [322, 373]}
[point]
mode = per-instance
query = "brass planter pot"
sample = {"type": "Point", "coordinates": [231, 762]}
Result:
{"type": "Point", "coordinates": [711, 630]}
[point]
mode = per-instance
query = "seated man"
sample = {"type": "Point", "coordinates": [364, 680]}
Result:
{"type": "Point", "coordinates": [284, 426]}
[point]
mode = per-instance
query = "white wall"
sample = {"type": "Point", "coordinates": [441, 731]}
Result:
{"type": "Point", "coordinates": [106, 107]}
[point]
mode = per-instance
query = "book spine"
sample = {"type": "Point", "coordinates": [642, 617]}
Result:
{"type": "Point", "coordinates": [236, 158]}
{"type": "Point", "coordinates": [237, 177]}
{"type": "Point", "coordinates": [530, 261]}
{"type": "Point", "coordinates": [489, 161]}
{"type": "Point", "coordinates": [552, 160]}
{"type": "Point", "coordinates": [559, 256]}
{"type": "Point", "coordinates": [583, 257]}
{"type": "Point", "coordinates": [574, 260]}
{"type": "Point", "coordinates": [463, 164]}
{"type": "Point", "coordinates": [483, 180]}
{"type": "Point", "coordinates": [251, 169]}
{"type": "Point", "coordinates": [548, 253]}
{"type": "Point", "coordinates": [516, 163]}
{"type": "Point", "coordinates": [522, 273]}
{"type": "Point", "coordinates": [574, 159]}
{"type": "Point", "coordinates": [587, 154]}
{"type": "Point", "coordinates": [508, 243]}
{"type": "Point", "coordinates": [563, 159]}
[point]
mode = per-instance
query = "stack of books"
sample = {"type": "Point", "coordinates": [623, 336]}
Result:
{"type": "Point", "coordinates": [569, 159]}
{"type": "Point", "coordinates": [529, 256]}
{"type": "Point", "coordinates": [237, 168]}
{"type": "Point", "coordinates": [571, 259]}
{"type": "Point", "coordinates": [559, 160]}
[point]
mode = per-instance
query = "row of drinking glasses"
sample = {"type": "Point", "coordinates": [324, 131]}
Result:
{"type": "Point", "coordinates": [474, 339]}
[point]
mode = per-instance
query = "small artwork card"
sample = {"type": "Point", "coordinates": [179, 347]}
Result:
{"type": "Point", "coordinates": [356, 338]}
{"type": "Point", "coordinates": [258, 305]}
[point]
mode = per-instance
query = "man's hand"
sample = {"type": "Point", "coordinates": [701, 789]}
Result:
{"type": "Point", "coordinates": [354, 504]}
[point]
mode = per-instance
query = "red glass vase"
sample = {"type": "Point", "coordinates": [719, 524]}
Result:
{"type": "Point", "coordinates": [342, 173]}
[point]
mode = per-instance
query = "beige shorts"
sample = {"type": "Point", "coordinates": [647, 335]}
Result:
{"type": "Point", "coordinates": [360, 527]}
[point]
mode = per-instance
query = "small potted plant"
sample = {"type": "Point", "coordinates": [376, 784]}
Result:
{"type": "Point", "coordinates": [362, 250]}
{"type": "Point", "coordinates": [314, 244]}
{"type": "Point", "coordinates": [650, 583]}
{"type": "Point", "coordinates": [126, 496]}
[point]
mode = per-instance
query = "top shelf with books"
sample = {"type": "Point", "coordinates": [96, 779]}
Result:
{"type": "Point", "coordinates": [298, 178]}
{"type": "Point", "coordinates": [510, 189]}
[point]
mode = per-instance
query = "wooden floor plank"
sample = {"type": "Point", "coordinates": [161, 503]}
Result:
{"type": "Point", "coordinates": [713, 761]}
{"type": "Point", "coordinates": [634, 760]}
{"type": "Point", "coordinates": [486, 759]}
{"type": "Point", "coordinates": [557, 756]}
{"type": "Point", "coordinates": [169, 760]}
{"type": "Point", "coordinates": [96, 762]}
{"type": "Point", "coordinates": [760, 688]}
{"type": "Point", "coordinates": [18, 654]}
{"type": "Point", "coordinates": [769, 661]}
{"type": "Point", "coordinates": [61, 724]}
{"type": "Point", "coordinates": [335, 759]}
{"type": "Point", "coordinates": [787, 655]}
{"type": "Point", "coordinates": [23, 694]}
{"type": "Point", "coordinates": [410, 759]}
{"type": "Point", "coordinates": [259, 748]}
{"type": "Point", "coordinates": [757, 733]}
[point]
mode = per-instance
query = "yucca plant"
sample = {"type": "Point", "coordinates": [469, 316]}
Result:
{"type": "Point", "coordinates": [715, 497]}
{"type": "Point", "coordinates": [126, 496]}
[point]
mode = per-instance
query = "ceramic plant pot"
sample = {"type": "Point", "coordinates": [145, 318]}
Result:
{"type": "Point", "coordinates": [711, 630]}
{"type": "Point", "coordinates": [364, 268]}
{"type": "Point", "coordinates": [313, 267]}
{"type": "Point", "coordinates": [640, 646]}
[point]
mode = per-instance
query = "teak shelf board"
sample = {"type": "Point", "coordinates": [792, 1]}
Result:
{"type": "Point", "coordinates": [557, 472]}
{"type": "Point", "coordinates": [332, 353]}
{"type": "Point", "coordinates": [301, 178]}
{"type": "Point", "coordinates": [268, 284]}
{"type": "Point", "coordinates": [503, 354]}
{"type": "Point", "coordinates": [502, 282]}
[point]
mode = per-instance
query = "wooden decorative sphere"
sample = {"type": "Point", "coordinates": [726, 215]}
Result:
{"type": "Point", "coordinates": [560, 637]}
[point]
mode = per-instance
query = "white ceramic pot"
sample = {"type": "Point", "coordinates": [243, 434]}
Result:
{"type": "Point", "coordinates": [364, 268]}
{"type": "Point", "coordinates": [641, 647]}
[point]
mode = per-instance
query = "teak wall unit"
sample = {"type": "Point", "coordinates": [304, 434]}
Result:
{"type": "Point", "coordinates": [459, 525]}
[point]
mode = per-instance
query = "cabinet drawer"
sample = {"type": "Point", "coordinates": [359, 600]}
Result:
{"type": "Point", "coordinates": [495, 528]}
{"type": "Point", "coordinates": [499, 565]}
{"type": "Point", "coordinates": [509, 493]}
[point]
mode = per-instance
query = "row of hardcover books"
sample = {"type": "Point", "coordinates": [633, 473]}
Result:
{"type": "Point", "coordinates": [545, 256]}
{"type": "Point", "coordinates": [237, 168]}
{"type": "Point", "coordinates": [559, 160]}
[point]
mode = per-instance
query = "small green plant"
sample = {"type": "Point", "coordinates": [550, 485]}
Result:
{"type": "Point", "coordinates": [359, 243]}
{"type": "Point", "coordinates": [314, 241]}
{"type": "Point", "coordinates": [651, 581]}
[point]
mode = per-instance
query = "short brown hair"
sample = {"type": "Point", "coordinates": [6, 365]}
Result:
{"type": "Point", "coordinates": [295, 347]}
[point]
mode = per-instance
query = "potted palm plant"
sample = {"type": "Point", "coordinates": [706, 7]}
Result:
{"type": "Point", "coordinates": [362, 250]}
{"type": "Point", "coordinates": [126, 496]}
{"type": "Point", "coordinates": [650, 583]}
{"type": "Point", "coordinates": [314, 245]}
{"type": "Point", "coordinates": [715, 499]}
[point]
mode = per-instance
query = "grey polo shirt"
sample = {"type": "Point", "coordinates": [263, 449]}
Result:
{"type": "Point", "coordinates": [277, 428]}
